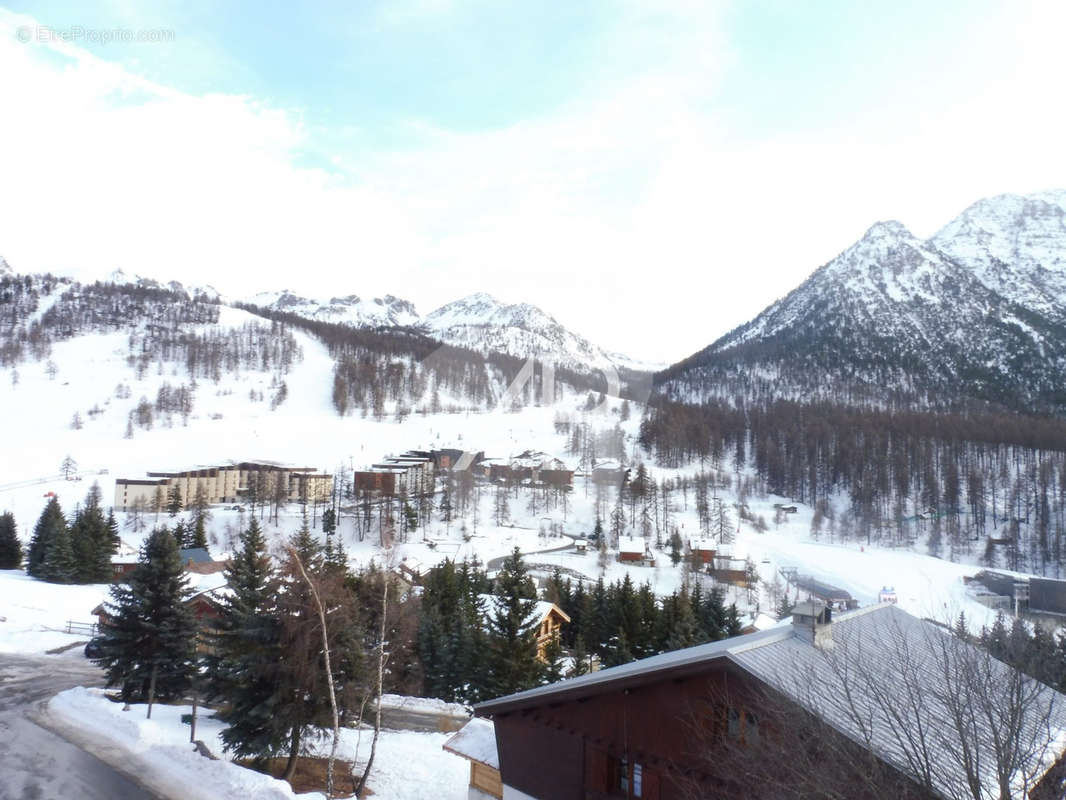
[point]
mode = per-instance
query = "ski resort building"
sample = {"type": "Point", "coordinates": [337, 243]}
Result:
{"type": "Point", "coordinates": [822, 702]}
{"type": "Point", "coordinates": [412, 473]}
{"type": "Point", "coordinates": [227, 483]}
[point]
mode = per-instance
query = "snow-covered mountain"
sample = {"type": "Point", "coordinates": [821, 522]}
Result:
{"type": "Point", "coordinates": [1015, 245]}
{"type": "Point", "coordinates": [481, 322]}
{"type": "Point", "coordinates": [976, 312]}
{"type": "Point", "coordinates": [120, 277]}
{"type": "Point", "coordinates": [359, 312]}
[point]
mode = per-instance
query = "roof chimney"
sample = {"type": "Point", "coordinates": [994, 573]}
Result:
{"type": "Point", "coordinates": [814, 620]}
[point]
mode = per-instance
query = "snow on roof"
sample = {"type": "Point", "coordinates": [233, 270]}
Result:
{"type": "Point", "coordinates": [703, 544]}
{"type": "Point", "coordinates": [870, 641]}
{"type": "Point", "coordinates": [607, 463]}
{"type": "Point", "coordinates": [628, 544]}
{"type": "Point", "coordinates": [541, 609]}
{"type": "Point", "coordinates": [476, 741]}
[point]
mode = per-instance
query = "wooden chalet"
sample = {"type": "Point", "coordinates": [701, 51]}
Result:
{"type": "Point", "coordinates": [724, 720]}
{"type": "Point", "coordinates": [631, 549]}
{"type": "Point", "coordinates": [547, 618]}
{"type": "Point", "coordinates": [703, 549]}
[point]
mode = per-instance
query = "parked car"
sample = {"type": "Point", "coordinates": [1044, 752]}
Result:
{"type": "Point", "coordinates": [93, 650]}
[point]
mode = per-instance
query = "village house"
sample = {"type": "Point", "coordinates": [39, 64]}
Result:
{"type": "Point", "coordinates": [227, 483]}
{"type": "Point", "coordinates": [196, 560]}
{"type": "Point", "coordinates": [411, 474]}
{"type": "Point", "coordinates": [703, 549]}
{"type": "Point", "coordinates": [530, 468]}
{"type": "Point", "coordinates": [631, 549]}
{"type": "Point", "coordinates": [759, 716]}
{"type": "Point", "coordinates": [546, 618]}
{"type": "Point", "coordinates": [609, 472]}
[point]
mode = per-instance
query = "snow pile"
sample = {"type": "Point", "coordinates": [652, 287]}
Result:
{"type": "Point", "coordinates": [407, 765]}
{"type": "Point", "coordinates": [158, 751]}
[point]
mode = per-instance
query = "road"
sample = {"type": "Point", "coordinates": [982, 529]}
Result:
{"type": "Point", "coordinates": [494, 564]}
{"type": "Point", "coordinates": [36, 763]}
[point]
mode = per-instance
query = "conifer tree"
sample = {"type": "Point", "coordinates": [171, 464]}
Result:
{"type": "Point", "coordinates": [197, 536]}
{"type": "Point", "coordinates": [60, 564]}
{"type": "Point", "coordinates": [174, 504]}
{"type": "Point", "coordinates": [48, 525]}
{"type": "Point", "coordinates": [10, 546]}
{"type": "Point", "coordinates": [512, 639]}
{"type": "Point", "coordinates": [246, 648]}
{"type": "Point", "coordinates": [148, 644]}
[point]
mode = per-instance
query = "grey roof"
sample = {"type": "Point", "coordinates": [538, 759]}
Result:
{"type": "Point", "coordinates": [889, 658]}
{"type": "Point", "coordinates": [820, 589]}
{"type": "Point", "coordinates": [196, 555]}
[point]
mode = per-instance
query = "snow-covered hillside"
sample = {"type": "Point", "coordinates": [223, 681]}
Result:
{"type": "Point", "coordinates": [479, 322]}
{"type": "Point", "coordinates": [483, 323]}
{"type": "Point", "coordinates": [1015, 246]}
{"type": "Point", "coordinates": [351, 309]}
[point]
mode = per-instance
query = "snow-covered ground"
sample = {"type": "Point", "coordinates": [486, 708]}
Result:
{"type": "Point", "coordinates": [407, 765]}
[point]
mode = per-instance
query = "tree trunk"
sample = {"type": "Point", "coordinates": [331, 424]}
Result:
{"type": "Point", "coordinates": [151, 689]}
{"type": "Point", "coordinates": [378, 689]}
{"type": "Point", "coordinates": [294, 755]}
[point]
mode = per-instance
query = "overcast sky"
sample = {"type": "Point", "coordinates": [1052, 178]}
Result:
{"type": "Point", "coordinates": [650, 172]}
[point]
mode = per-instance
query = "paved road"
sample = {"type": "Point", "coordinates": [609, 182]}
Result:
{"type": "Point", "coordinates": [494, 564]}
{"type": "Point", "coordinates": [35, 763]}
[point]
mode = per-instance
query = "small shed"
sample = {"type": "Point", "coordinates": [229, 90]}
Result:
{"type": "Point", "coordinates": [476, 742]}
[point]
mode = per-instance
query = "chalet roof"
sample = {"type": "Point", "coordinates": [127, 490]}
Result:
{"type": "Point", "coordinates": [874, 640]}
{"type": "Point", "coordinates": [629, 544]}
{"type": "Point", "coordinates": [541, 609]}
{"type": "Point", "coordinates": [476, 741]}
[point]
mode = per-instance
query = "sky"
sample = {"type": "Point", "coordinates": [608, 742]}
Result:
{"type": "Point", "coordinates": [652, 173]}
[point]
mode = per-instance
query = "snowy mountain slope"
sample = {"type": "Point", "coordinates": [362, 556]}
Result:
{"type": "Point", "coordinates": [479, 322]}
{"type": "Point", "coordinates": [351, 309]}
{"type": "Point", "coordinates": [120, 277]}
{"type": "Point", "coordinates": [1014, 245]}
{"type": "Point", "coordinates": [974, 313]}
{"type": "Point", "coordinates": [483, 323]}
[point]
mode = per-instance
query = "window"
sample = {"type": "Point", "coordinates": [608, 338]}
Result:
{"type": "Point", "coordinates": [638, 780]}
{"type": "Point", "coordinates": [733, 722]}
{"type": "Point", "coordinates": [623, 775]}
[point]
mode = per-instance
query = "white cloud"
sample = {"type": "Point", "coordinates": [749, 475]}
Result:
{"type": "Point", "coordinates": [634, 214]}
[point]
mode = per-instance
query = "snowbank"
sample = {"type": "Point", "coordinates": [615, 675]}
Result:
{"type": "Point", "coordinates": [407, 766]}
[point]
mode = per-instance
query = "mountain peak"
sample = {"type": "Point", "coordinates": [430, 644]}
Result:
{"type": "Point", "coordinates": [887, 229]}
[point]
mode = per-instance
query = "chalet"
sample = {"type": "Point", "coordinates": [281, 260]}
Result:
{"type": "Point", "coordinates": [547, 618]}
{"type": "Point", "coordinates": [609, 472]}
{"type": "Point", "coordinates": [759, 716]}
{"type": "Point", "coordinates": [631, 549]}
{"type": "Point", "coordinates": [205, 603]}
{"type": "Point", "coordinates": [703, 549]}
{"type": "Point", "coordinates": [476, 742]}
{"type": "Point", "coordinates": [226, 483]}
{"type": "Point", "coordinates": [196, 560]}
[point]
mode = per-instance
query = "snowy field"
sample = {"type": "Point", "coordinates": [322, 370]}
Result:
{"type": "Point", "coordinates": [407, 765]}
